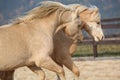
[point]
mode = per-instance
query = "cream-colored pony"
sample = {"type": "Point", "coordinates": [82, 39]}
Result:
{"type": "Point", "coordinates": [91, 23]}
{"type": "Point", "coordinates": [29, 39]}
{"type": "Point", "coordinates": [64, 46]}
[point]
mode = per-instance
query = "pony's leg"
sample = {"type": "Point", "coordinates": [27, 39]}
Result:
{"type": "Point", "coordinates": [68, 62]}
{"type": "Point", "coordinates": [49, 64]}
{"type": "Point", "coordinates": [60, 64]}
{"type": "Point", "coordinates": [39, 72]}
{"type": "Point", "coordinates": [58, 78]}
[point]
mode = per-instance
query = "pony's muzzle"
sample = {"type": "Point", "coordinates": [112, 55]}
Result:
{"type": "Point", "coordinates": [100, 38]}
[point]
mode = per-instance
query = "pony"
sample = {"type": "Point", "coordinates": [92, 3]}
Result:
{"type": "Point", "coordinates": [91, 23]}
{"type": "Point", "coordinates": [28, 40]}
{"type": "Point", "coordinates": [65, 46]}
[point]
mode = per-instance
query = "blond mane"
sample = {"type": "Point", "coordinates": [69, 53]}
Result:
{"type": "Point", "coordinates": [92, 8]}
{"type": "Point", "coordinates": [78, 7]}
{"type": "Point", "coordinates": [45, 9]}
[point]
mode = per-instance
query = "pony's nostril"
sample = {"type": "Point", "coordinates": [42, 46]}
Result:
{"type": "Point", "coordinates": [79, 25]}
{"type": "Point", "coordinates": [102, 38]}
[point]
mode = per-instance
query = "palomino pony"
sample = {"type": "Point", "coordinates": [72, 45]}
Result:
{"type": "Point", "coordinates": [64, 46]}
{"type": "Point", "coordinates": [91, 23]}
{"type": "Point", "coordinates": [29, 39]}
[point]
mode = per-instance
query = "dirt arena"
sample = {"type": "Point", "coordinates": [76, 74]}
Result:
{"type": "Point", "coordinates": [98, 69]}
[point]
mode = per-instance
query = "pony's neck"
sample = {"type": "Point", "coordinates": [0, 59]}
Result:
{"type": "Point", "coordinates": [48, 24]}
{"type": "Point", "coordinates": [51, 23]}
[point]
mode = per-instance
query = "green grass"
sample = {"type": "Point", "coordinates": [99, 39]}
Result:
{"type": "Point", "coordinates": [103, 50]}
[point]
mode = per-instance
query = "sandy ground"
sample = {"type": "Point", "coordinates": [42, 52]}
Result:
{"type": "Point", "coordinates": [90, 70]}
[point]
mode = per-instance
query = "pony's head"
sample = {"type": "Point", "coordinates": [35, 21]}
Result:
{"type": "Point", "coordinates": [91, 20]}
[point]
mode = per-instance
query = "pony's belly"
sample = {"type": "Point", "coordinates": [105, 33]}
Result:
{"type": "Point", "coordinates": [10, 63]}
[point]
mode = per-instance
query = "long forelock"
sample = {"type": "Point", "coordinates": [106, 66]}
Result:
{"type": "Point", "coordinates": [81, 8]}
{"type": "Point", "coordinates": [92, 9]}
{"type": "Point", "coordinates": [78, 7]}
{"type": "Point", "coordinates": [97, 15]}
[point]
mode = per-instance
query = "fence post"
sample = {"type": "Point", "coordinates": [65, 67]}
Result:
{"type": "Point", "coordinates": [95, 53]}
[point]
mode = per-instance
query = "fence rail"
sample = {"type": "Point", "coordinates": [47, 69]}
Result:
{"type": "Point", "coordinates": [109, 39]}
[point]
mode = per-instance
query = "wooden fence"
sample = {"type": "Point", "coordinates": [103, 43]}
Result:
{"type": "Point", "coordinates": [109, 38]}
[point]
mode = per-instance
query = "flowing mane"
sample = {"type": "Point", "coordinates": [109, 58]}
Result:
{"type": "Point", "coordinates": [45, 9]}
{"type": "Point", "coordinates": [96, 15]}
{"type": "Point", "coordinates": [76, 6]}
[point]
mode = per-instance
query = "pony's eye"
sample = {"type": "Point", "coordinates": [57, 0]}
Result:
{"type": "Point", "coordinates": [78, 16]}
{"type": "Point", "coordinates": [98, 22]}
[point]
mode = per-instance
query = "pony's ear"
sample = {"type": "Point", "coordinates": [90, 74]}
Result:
{"type": "Point", "coordinates": [95, 11]}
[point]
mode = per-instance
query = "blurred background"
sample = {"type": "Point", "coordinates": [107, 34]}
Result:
{"type": "Point", "coordinates": [10, 9]}
{"type": "Point", "coordinates": [110, 15]}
